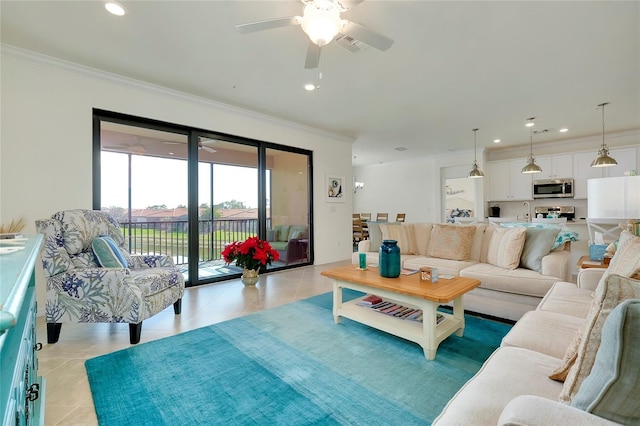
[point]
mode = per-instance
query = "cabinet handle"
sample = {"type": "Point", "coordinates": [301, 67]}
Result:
{"type": "Point", "coordinates": [33, 392]}
{"type": "Point", "coordinates": [37, 347]}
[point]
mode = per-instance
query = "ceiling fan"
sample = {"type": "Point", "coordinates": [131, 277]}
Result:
{"type": "Point", "coordinates": [321, 21]}
{"type": "Point", "coordinates": [201, 144]}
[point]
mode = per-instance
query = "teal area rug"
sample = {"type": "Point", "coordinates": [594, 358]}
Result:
{"type": "Point", "coordinates": [290, 365]}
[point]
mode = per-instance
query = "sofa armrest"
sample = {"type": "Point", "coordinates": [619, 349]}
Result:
{"type": "Point", "coordinates": [537, 411]}
{"type": "Point", "coordinates": [150, 261]}
{"type": "Point", "coordinates": [557, 264]}
{"type": "Point", "coordinates": [364, 246]}
{"type": "Point", "coordinates": [589, 278]}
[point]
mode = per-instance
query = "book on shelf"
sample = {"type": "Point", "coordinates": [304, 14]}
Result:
{"type": "Point", "coordinates": [370, 300]}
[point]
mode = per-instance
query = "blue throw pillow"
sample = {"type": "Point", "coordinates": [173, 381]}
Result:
{"type": "Point", "coordinates": [611, 389]}
{"type": "Point", "coordinates": [108, 253]}
{"type": "Point", "coordinates": [537, 244]}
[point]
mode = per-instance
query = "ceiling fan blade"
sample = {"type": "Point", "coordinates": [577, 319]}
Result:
{"type": "Point", "coordinates": [208, 149]}
{"type": "Point", "coordinates": [366, 36]}
{"type": "Point", "coordinates": [349, 4]}
{"type": "Point", "coordinates": [346, 42]}
{"type": "Point", "coordinates": [268, 24]}
{"type": "Point", "coordinates": [313, 56]}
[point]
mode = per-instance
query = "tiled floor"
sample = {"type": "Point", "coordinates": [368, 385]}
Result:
{"type": "Point", "coordinates": [68, 398]}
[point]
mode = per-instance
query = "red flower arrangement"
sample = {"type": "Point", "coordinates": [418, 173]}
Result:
{"type": "Point", "coordinates": [251, 253]}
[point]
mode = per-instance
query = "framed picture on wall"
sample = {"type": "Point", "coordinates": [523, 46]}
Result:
{"type": "Point", "coordinates": [334, 188]}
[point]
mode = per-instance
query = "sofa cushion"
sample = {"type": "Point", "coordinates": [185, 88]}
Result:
{"type": "Point", "coordinates": [423, 236]}
{"type": "Point", "coordinates": [546, 332]}
{"type": "Point", "coordinates": [445, 266]}
{"type": "Point", "coordinates": [505, 247]}
{"type": "Point", "coordinates": [626, 260]}
{"type": "Point", "coordinates": [451, 241]}
{"type": "Point", "coordinates": [297, 231]}
{"type": "Point", "coordinates": [518, 281]}
{"type": "Point", "coordinates": [403, 234]}
{"type": "Point", "coordinates": [610, 293]}
{"type": "Point", "coordinates": [567, 298]}
{"type": "Point", "coordinates": [282, 232]}
{"type": "Point", "coordinates": [611, 390]}
{"type": "Point", "coordinates": [108, 253]}
{"type": "Point", "coordinates": [560, 372]}
{"type": "Point", "coordinates": [537, 244]}
{"type": "Point", "coordinates": [508, 373]}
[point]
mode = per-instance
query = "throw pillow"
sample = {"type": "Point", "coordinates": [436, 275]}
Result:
{"type": "Point", "coordinates": [282, 232]}
{"type": "Point", "coordinates": [403, 234]}
{"type": "Point", "coordinates": [537, 244]}
{"type": "Point", "coordinates": [451, 242]}
{"type": "Point", "coordinates": [626, 260]}
{"type": "Point", "coordinates": [560, 373]}
{"type": "Point", "coordinates": [506, 247]}
{"type": "Point", "coordinates": [610, 293]}
{"type": "Point", "coordinates": [297, 231]}
{"type": "Point", "coordinates": [108, 253]}
{"type": "Point", "coordinates": [611, 389]}
{"type": "Point", "coordinates": [272, 235]}
{"type": "Point", "coordinates": [375, 235]}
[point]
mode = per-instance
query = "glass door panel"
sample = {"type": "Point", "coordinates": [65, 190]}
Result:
{"type": "Point", "coordinates": [288, 204]}
{"type": "Point", "coordinates": [227, 200]}
{"type": "Point", "coordinates": [144, 186]}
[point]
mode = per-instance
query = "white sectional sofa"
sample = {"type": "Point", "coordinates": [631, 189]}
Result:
{"type": "Point", "coordinates": [586, 334]}
{"type": "Point", "coordinates": [466, 250]}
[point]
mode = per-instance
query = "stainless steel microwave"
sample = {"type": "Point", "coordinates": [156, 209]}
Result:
{"type": "Point", "coordinates": [553, 188]}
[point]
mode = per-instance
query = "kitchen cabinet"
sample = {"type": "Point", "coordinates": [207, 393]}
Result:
{"type": "Point", "coordinates": [555, 167]}
{"type": "Point", "coordinates": [506, 182]}
{"type": "Point", "coordinates": [626, 158]}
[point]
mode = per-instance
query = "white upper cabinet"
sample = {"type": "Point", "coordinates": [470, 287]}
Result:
{"type": "Point", "coordinates": [555, 167]}
{"type": "Point", "coordinates": [626, 158]}
{"type": "Point", "coordinates": [506, 182]}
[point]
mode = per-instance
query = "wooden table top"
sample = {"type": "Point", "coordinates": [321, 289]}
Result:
{"type": "Point", "coordinates": [445, 290]}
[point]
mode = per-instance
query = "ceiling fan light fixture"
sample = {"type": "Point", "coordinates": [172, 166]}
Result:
{"type": "Point", "coordinates": [321, 25]}
{"type": "Point", "coordinates": [603, 159]}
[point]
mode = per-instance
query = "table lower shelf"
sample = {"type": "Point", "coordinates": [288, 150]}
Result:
{"type": "Point", "coordinates": [427, 333]}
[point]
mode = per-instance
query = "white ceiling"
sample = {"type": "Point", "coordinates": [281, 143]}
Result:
{"type": "Point", "coordinates": [454, 65]}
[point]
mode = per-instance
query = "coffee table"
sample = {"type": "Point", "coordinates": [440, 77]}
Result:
{"type": "Point", "coordinates": [409, 291]}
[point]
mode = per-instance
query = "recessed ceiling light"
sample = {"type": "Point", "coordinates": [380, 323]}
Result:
{"type": "Point", "coordinates": [115, 8]}
{"type": "Point", "coordinates": [309, 87]}
{"type": "Point", "coordinates": [497, 141]}
{"type": "Point", "coordinates": [400, 148]}
{"type": "Point", "coordinates": [564, 130]}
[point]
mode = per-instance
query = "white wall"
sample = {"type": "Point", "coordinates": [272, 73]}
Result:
{"type": "Point", "coordinates": [46, 141]}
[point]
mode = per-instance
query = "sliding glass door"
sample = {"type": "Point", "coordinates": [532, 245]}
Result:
{"type": "Point", "coordinates": [187, 193]}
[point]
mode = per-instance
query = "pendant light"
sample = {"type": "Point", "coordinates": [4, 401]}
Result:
{"type": "Point", "coordinates": [475, 171]}
{"type": "Point", "coordinates": [603, 159]}
{"type": "Point", "coordinates": [531, 166]}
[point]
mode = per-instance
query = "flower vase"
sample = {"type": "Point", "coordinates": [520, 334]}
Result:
{"type": "Point", "coordinates": [249, 276]}
{"type": "Point", "coordinates": [389, 259]}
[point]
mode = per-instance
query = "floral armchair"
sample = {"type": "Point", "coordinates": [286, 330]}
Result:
{"type": "Point", "coordinates": [127, 289]}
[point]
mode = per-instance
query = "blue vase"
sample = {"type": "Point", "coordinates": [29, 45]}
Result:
{"type": "Point", "coordinates": [389, 259]}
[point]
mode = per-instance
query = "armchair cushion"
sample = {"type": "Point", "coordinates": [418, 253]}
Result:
{"type": "Point", "coordinates": [108, 253]}
{"type": "Point", "coordinates": [297, 231]}
{"type": "Point", "coordinates": [282, 233]}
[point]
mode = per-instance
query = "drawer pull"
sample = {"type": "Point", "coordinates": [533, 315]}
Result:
{"type": "Point", "coordinates": [33, 392]}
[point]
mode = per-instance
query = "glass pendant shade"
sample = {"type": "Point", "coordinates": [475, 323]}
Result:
{"type": "Point", "coordinates": [603, 159]}
{"type": "Point", "coordinates": [475, 171]}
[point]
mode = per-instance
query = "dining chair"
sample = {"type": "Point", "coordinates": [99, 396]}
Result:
{"type": "Point", "coordinates": [358, 233]}
{"type": "Point", "coordinates": [365, 216]}
{"type": "Point", "coordinates": [382, 217]}
{"type": "Point", "coordinates": [400, 217]}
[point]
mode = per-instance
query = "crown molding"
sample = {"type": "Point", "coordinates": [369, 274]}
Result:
{"type": "Point", "coordinates": [72, 67]}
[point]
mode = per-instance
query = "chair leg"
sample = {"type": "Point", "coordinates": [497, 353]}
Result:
{"type": "Point", "coordinates": [134, 333]}
{"type": "Point", "coordinates": [53, 331]}
{"type": "Point", "coordinates": [177, 307]}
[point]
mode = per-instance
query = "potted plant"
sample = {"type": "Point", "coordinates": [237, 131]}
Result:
{"type": "Point", "coordinates": [251, 255]}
